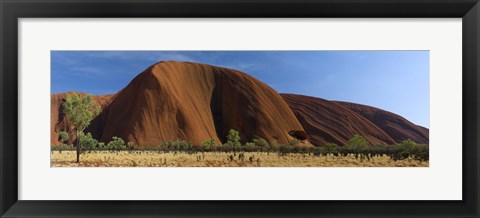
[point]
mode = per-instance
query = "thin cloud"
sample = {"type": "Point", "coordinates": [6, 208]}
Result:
{"type": "Point", "coordinates": [86, 71]}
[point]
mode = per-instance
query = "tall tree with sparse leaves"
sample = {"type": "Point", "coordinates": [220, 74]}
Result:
{"type": "Point", "coordinates": [80, 111]}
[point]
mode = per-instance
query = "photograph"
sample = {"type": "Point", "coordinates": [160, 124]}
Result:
{"type": "Point", "coordinates": [313, 108]}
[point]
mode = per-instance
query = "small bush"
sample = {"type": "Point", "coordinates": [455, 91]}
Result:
{"type": "Point", "coordinates": [86, 141]}
{"type": "Point", "coordinates": [285, 149]}
{"type": "Point", "coordinates": [408, 145]}
{"type": "Point", "coordinates": [63, 147]}
{"type": "Point", "coordinates": [180, 145]}
{"type": "Point", "coordinates": [130, 146]}
{"type": "Point", "coordinates": [330, 148]}
{"type": "Point", "coordinates": [260, 142]}
{"type": "Point", "coordinates": [116, 144]}
{"type": "Point", "coordinates": [274, 146]}
{"type": "Point", "coordinates": [233, 138]}
{"type": "Point", "coordinates": [208, 144]}
{"type": "Point", "coordinates": [101, 145]}
{"type": "Point", "coordinates": [294, 142]}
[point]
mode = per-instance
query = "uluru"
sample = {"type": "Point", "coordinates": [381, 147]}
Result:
{"type": "Point", "coordinates": [394, 125]}
{"type": "Point", "coordinates": [328, 122]}
{"type": "Point", "coordinates": [195, 102]}
{"type": "Point", "coordinates": [336, 122]}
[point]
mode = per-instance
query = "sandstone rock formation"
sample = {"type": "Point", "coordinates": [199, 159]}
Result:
{"type": "Point", "coordinates": [394, 125]}
{"type": "Point", "coordinates": [194, 102]}
{"type": "Point", "coordinates": [328, 122]}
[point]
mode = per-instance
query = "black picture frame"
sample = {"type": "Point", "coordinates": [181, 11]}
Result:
{"type": "Point", "coordinates": [12, 10]}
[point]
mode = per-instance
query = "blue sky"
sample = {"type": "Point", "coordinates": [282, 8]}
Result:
{"type": "Point", "coordinates": [396, 81]}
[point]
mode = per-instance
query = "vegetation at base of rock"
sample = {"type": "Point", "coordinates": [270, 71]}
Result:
{"type": "Point", "coordinates": [116, 144]}
{"type": "Point", "coordinates": [261, 142]}
{"type": "Point", "coordinates": [233, 138]}
{"type": "Point", "coordinates": [208, 144]}
{"type": "Point", "coordinates": [357, 146]}
{"type": "Point", "coordinates": [86, 141]}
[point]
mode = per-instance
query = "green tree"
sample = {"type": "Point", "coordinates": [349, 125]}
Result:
{"type": "Point", "coordinates": [358, 144]}
{"type": "Point", "coordinates": [80, 111]}
{"type": "Point", "coordinates": [63, 137]}
{"type": "Point", "coordinates": [233, 138]}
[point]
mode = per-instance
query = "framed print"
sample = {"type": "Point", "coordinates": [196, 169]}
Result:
{"type": "Point", "coordinates": [209, 108]}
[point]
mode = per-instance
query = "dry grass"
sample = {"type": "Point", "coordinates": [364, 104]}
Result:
{"type": "Point", "coordinates": [213, 159]}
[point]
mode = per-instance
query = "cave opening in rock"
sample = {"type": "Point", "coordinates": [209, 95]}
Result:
{"type": "Point", "coordinates": [298, 134]}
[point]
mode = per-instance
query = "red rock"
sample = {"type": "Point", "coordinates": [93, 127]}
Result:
{"type": "Point", "coordinates": [328, 122]}
{"type": "Point", "coordinates": [394, 125]}
{"type": "Point", "coordinates": [194, 102]}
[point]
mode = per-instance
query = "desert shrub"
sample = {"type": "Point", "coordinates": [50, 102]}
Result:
{"type": "Point", "coordinates": [378, 149]}
{"type": "Point", "coordinates": [163, 146]}
{"type": "Point", "coordinates": [86, 141]}
{"type": "Point", "coordinates": [130, 146]}
{"type": "Point", "coordinates": [316, 151]}
{"type": "Point", "coordinates": [208, 144]}
{"type": "Point", "coordinates": [63, 136]}
{"type": "Point", "coordinates": [63, 147]}
{"type": "Point", "coordinates": [260, 142]}
{"type": "Point", "coordinates": [180, 145]}
{"type": "Point", "coordinates": [116, 144]}
{"type": "Point", "coordinates": [299, 149]}
{"type": "Point", "coordinates": [250, 147]}
{"type": "Point", "coordinates": [101, 145]}
{"type": "Point", "coordinates": [397, 152]}
{"type": "Point", "coordinates": [420, 152]}
{"type": "Point", "coordinates": [294, 142]}
{"type": "Point", "coordinates": [233, 138]}
{"type": "Point", "coordinates": [407, 148]}
{"type": "Point", "coordinates": [330, 148]}
{"type": "Point", "coordinates": [285, 149]}
{"type": "Point", "coordinates": [358, 144]}
{"type": "Point", "coordinates": [408, 145]}
{"type": "Point", "coordinates": [274, 145]}
{"type": "Point", "coordinates": [225, 148]}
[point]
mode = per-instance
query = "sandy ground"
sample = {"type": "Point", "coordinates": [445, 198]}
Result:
{"type": "Point", "coordinates": [212, 159]}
